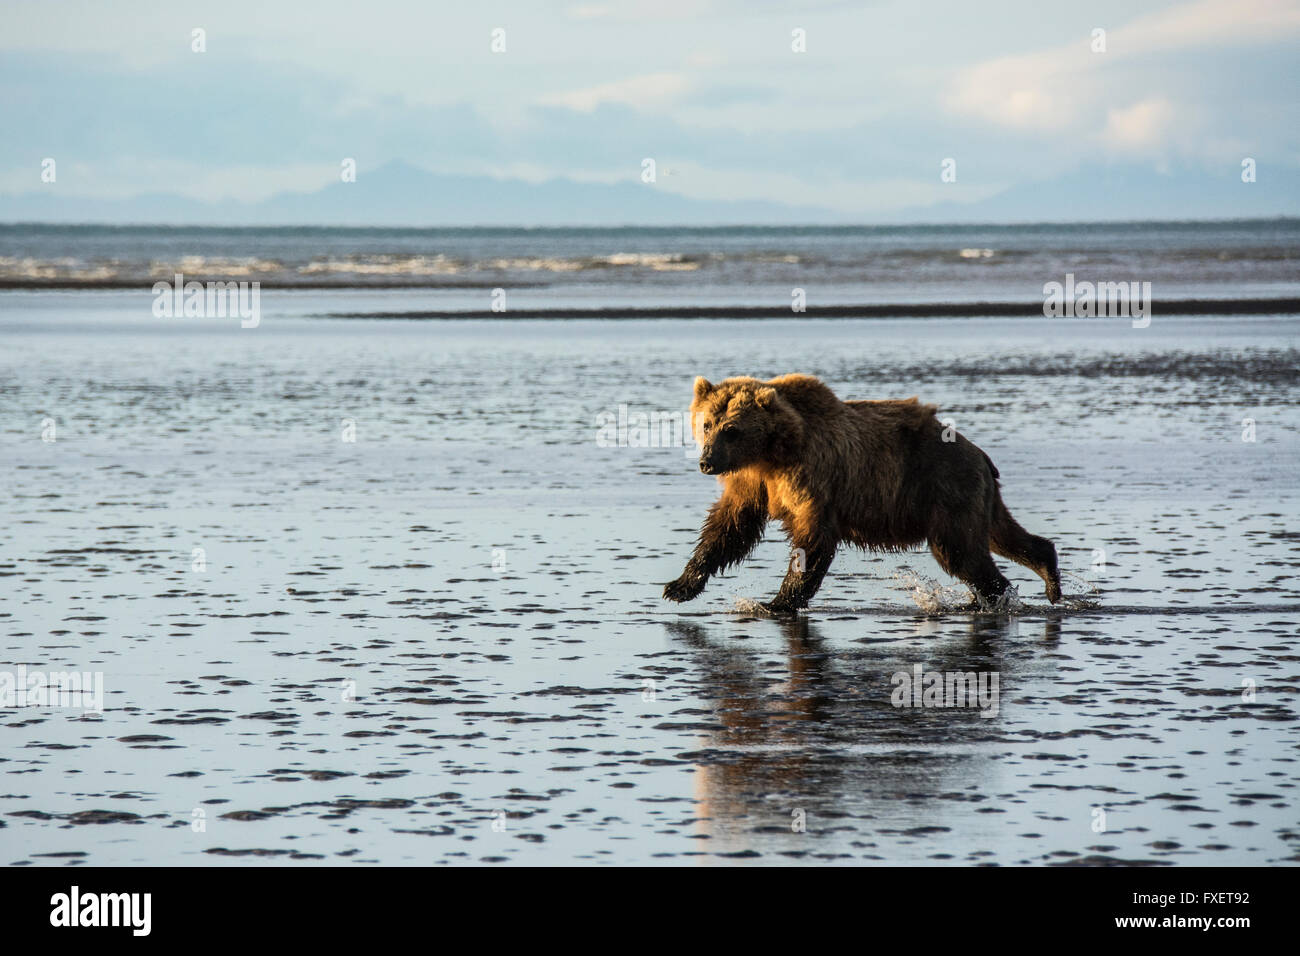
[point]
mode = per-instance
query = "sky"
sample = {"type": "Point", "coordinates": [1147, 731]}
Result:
{"type": "Point", "coordinates": [712, 90]}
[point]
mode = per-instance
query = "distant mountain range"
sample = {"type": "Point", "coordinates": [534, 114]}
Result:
{"type": "Point", "coordinates": [1128, 193]}
{"type": "Point", "coordinates": [400, 194]}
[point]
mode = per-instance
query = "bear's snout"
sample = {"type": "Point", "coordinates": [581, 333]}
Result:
{"type": "Point", "coordinates": [714, 460]}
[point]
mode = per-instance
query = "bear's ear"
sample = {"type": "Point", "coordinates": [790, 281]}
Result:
{"type": "Point", "coordinates": [702, 387]}
{"type": "Point", "coordinates": [765, 397]}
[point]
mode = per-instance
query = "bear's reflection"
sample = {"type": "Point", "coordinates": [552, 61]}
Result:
{"type": "Point", "coordinates": [815, 732]}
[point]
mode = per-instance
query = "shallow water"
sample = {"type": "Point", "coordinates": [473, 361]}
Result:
{"type": "Point", "coordinates": [444, 642]}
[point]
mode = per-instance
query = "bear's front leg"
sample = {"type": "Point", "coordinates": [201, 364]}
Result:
{"type": "Point", "coordinates": [688, 586]}
{"type": "Point", "coordinates": [730, 532]}
{"type": "Point", "coordinates": [804, 578]}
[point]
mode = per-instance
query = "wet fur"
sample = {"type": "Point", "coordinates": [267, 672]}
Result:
{"type": "Point", "coordinates": [874, 474]}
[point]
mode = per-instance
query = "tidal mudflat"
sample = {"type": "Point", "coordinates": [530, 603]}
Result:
{"type": "Point", "coordinates": [442, 641]}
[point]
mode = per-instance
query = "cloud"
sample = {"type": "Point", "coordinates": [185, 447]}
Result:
{"type": "Point", "coordinates": [1140, 127]}
{"type": "Point", "coordinates": [1209, 23]}
{"type": "Point", "coordinates": [649, 90]}
{"type": "Point", "coordinates": [1117, 98]}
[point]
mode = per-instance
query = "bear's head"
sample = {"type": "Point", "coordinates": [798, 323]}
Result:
{"type": "Point", "coordinates": [742, 423]}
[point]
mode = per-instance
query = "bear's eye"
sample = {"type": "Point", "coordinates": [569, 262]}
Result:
{"type": "Point", "coordinates": [730, 431]}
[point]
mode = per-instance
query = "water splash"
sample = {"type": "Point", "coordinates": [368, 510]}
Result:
{"type": "Point", "coordinates": [1008, 602]}
{"type": "Point", "coordinates": [930, 595]}
{"type": "Point", "coordinates": [1087, 597]}
{"type": "Point", "coordinates": [750, 608]}
{"type": "Point", "coordinates": [934, 598]}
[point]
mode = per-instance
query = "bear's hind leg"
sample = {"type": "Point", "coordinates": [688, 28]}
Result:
{"type": "Point", "coordinates": [972, 566]}
{"type": "Point", "coordinates": [1008, 539]}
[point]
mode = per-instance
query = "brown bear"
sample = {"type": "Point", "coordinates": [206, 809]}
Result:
{"type": "Point", "coordinates": [883, 475]}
